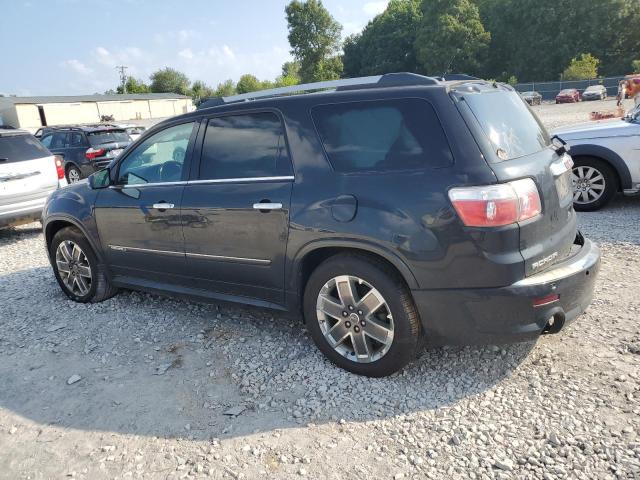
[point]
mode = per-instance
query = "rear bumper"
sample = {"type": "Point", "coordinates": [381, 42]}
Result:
{"type": "Point", "coordinates": [507, 314]}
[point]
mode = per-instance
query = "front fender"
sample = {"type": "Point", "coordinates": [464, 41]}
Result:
{"type": "Point", "coordinates": [616, 161]}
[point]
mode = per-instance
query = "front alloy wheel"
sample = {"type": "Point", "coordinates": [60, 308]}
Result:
{"type": "Point", "coordinates": [74, 268]}
{"type": "Point", "coordinates": [73, 175]}
{"type": "Point", "coordinates": [355, 319]}
{"type": "Point", "coordinates": [588, 185]}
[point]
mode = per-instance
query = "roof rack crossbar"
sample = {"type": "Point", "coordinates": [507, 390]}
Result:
{"type": "Point", "coordinates": [388, 80]}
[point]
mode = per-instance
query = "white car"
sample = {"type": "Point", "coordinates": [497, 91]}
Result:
{"type": "Point", "coordinates": [134, 131]}
{"type": "Point", "coordinates": [595, 92]}
{"type": "Point", "coordinates": [29, 173]}
{"type": "Point", "coordinates": [606, 157]}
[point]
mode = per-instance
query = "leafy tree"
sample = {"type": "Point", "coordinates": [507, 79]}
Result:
{"type": "Point", "coordinates": [169, 80]}
{"type": "Point", "coordinates": [248, 83]}
{"type": "Point", "coordinates": [200, 90]}
{"type": "Point", "coordinates": [225, 89]}
{"type": "Point", "coordinates": [133, 85]}
{"type": "Point", "coordinates": [635, 66]}
{"type": "Point", "coordinates": [387, 42]}
{"type": "Point", "coordinates": [451, 37]}
{"type": "Point", "coordinates": [290, 75]}
{"type": "Point", "coordinates": [512, 80]}
{"type": "Point", "coordinates": [583, 68]}
{"type": "Point", "coordinates": [314, 36]}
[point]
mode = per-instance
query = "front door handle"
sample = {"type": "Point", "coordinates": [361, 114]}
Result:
{"type": "Point", "coordinates": [263, 206]}
{"type": "Point", "coordinates": [163, 206]}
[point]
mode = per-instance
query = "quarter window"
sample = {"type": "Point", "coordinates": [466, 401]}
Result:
{"type": "Point", "coordinates": [244, 146]}
{"type": "Point", "coordinates": [159, 159]}
{"type": "Point", "coordinates": [383, 135]}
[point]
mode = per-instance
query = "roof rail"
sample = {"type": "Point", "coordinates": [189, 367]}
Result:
{"type": "Point", "coordinates": [376, 81]}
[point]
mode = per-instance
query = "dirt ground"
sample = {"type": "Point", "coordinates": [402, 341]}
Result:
{"type": "Point", "coordinates": [142, 386]}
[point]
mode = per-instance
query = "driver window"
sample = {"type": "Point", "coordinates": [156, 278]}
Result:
{"type": "Point", "coordinates": [159, 159]}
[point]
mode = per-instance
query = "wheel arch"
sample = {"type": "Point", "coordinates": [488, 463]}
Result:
{"type": "Point", "coordinates": [57, 223]}
{"type": "Point", "coordinates": [312, 255]}
{"type": "Point", "coordinates": [608, 156]}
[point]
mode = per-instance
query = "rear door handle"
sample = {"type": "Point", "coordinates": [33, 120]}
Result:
{"type": "Point", "coordinates": [267, 206]}
{"type": "Point", "coordinates": [163, 206]}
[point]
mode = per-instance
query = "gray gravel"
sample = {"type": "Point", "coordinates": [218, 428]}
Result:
{"type": "Point", "coordinates": [142, 386]}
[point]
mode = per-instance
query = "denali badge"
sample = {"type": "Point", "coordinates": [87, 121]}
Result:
{"type": "Point", "coordinates": [541, 263]}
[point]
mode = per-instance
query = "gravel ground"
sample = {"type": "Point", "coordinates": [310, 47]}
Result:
{"type": "Point", "coordinates": [142, 386]}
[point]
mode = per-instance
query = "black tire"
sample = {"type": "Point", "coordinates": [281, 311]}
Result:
{"type": "Point", "coordinates": [610, 179]}
{"type": "Point", "coordinates": [101, 288]}
{"type": "Point", "coordinates": [72, 173]}
{"type": "Point", "coordinates": [406, 328]}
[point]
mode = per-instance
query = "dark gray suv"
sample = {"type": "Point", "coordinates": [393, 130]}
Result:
{"type": "Point", "coordinates": [389, 211]}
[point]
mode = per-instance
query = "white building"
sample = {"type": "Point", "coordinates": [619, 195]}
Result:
{"type": "Point", "coordinates": [31, 113]}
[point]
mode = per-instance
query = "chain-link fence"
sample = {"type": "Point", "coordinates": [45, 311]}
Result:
{"type": "Point", "coordinates": [549, 90]}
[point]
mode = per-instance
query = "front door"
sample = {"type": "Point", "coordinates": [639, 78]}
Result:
{"type": "Point", "coordinates": [138, 218]}
{"type": "Point", "coordinates": [235, 210]}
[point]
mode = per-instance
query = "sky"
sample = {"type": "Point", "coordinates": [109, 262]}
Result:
{"type": "Point", "coordinates": [71, 47]}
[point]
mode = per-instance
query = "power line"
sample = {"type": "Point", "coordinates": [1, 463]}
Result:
{"type": "Point", "coordinates": [123, 76]}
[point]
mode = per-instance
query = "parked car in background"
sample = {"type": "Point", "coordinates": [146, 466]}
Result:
{"type": "Point", "coordinates": [134, 131]}
{"type": "Point", "coordinates": [352, 207]}
{"type": "Point", "coordinates": [532, 98]}
{"type": "Point", "coordinates": [595, 92]}
{"type": "Point", "coordinates": [29, 173]}
{"type": "Point", "coordinates": [606, 157]}
{"type": "Point", "coordinates": [569, 95]}
{"type": "Point", "coordinates": [85, 149]}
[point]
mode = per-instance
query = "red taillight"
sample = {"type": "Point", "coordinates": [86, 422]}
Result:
{"type": "Point", "coordinates": [540, 302]}
{"type": "Point", "coordinates": [59, 166]}
{"type": "Point", "coordinates": [94, 153]}
{"type": "Point", "coordinates": [497, 205]}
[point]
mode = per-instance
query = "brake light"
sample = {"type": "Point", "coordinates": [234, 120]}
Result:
{"type": "Point", "coordinates": [497, 205]}
{"type": "Point", "coordinates": [59, 166]}
{"type": "Point", "coordinates": [94, 153]}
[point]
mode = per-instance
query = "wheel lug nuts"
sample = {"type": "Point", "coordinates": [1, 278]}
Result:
{"type": "Point", "coordinates": [359, 312]}
{"type": "Point", "coordinates": [350, 307]}
{"type": "Point", "coordinates": [356, 329]}
{"type": "Point", "coordinates": [347, 324]}
{"type": "Point", "coordinates": [363, 323]}
{"type": "Point", "coordinates": [344, 314]}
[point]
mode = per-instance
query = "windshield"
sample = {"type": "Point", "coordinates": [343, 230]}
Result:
{"type": "Point", "coordinates": [593, 88]}
{"type": "Point", "coordinates": [511, 127]}
{"type": "Point", "coordinates": [16, 148]}
{"type": "Point", "coordinates": [108, 136]}
{"type": "Point", "coordinates": [566, 92]}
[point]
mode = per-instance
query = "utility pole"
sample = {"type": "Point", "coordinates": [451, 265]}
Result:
{"type": "Point", "coordinates": [123, 76]}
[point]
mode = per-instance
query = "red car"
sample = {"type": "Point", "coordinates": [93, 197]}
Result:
{"type": "Point", "coordinates": [569, 95]}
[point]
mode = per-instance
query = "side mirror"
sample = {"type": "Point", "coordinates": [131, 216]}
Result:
{"type": "Point", "coordinates": [560, 145]}
{"type": "Point", "coordinates": [100, 179]}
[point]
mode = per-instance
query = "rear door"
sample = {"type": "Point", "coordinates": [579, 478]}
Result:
{"type": "Point", "coordinates": [236, 210]}
{"type": "Point", "coordinates": [516, 145]}
{"type": "Point", "coordinates": [27, 171]}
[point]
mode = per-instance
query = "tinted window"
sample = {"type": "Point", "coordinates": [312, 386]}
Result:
{"type": "Point", "coordinates": [109, 136]}
{"type": "Point", "coordinates": [382, 135]}
{"type": "Point", "coordinates": [46, 140]}
{"type": "Point", "coordinates": [15, 148]}
{"type": "Point", "coordinates": [244, 146]}
{"type": "Point", "coordinates": [60, 140]}
{"type": "Point", "coordinates": [77, 139]}
{"type": "Point", "coordinates": [160, 158]}
{"type": "Point", "coordinates": [510, 126]}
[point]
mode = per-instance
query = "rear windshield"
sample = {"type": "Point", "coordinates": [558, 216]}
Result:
{"type": "Point", "coordinates": [108, 136]}
{"type": "Point", "coordinates": [513, 130]}
{"type": "Point", "coordinates": [17, 148]}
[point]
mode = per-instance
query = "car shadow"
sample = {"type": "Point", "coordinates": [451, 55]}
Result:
{"type": "Point", "coordinates": [155, 366]}
{"type": "Point", "coordinates": [14, 234]}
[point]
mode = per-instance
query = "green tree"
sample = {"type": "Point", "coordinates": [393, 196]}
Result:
{"type": "Point", "coordinates": [584, 67]}
{"type": "Point", "coordinates": [169, 80]}
{"type": "Point", "coordinates": [314, 36]}
{"type": "Point", "coordinates": [387, 42]}
{"type": "Point", "coordinates": [248, 83]}
{"type": "Point", "coordinates": [635, 66]}
{"type": "Point", "coordinates": [134, 86]}
{"type": "Point", "coordinates": [290, 75]}
{"type": "Point", "coordinates": [200, 90]}
{"type": "Point", "coordinates": [225, 89]}
{"type": "Point", "coordinates": [451, 37]}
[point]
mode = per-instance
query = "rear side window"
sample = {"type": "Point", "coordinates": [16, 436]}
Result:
{"type": "Point", "coordinates": [17, 148]}
{"type": "Point", "coordinates": [385, 135]}
{"type": "Point", "coordinates": [244, 146]}
{"type": "Point", "coordinates": [109, 136]}
{"type": "Point", "coordinates": [510, 126]}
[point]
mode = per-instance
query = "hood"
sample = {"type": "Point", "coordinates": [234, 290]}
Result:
{"type": "Point", "coordinates": [614, 127]}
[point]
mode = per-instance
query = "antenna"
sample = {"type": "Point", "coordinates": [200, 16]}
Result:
{"type": "Point", "coordinates": [123, 76]}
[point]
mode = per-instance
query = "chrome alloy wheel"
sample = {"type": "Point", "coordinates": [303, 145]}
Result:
{"type": "Point", "coordinates": [588, 184]}
{"type": "Point", "coordinates": [74, 175]}
{"type": "Point", "coordinates": [73, 267]}
{"type": "Point", "coordinates": [355, 319]}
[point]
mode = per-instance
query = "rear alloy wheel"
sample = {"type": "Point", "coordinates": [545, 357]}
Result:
{"type": "Point", "coordinates": [361, 315]}
{"type": "Point", "coordinates": [594, 184]}
{"type": "Point", "coordinates": [73, 174]}
{"type": "Point", "coordinates": [76, 267]}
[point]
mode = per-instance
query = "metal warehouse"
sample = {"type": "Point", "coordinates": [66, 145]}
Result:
{"type": "Point", "coordinates": [31, 113]}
